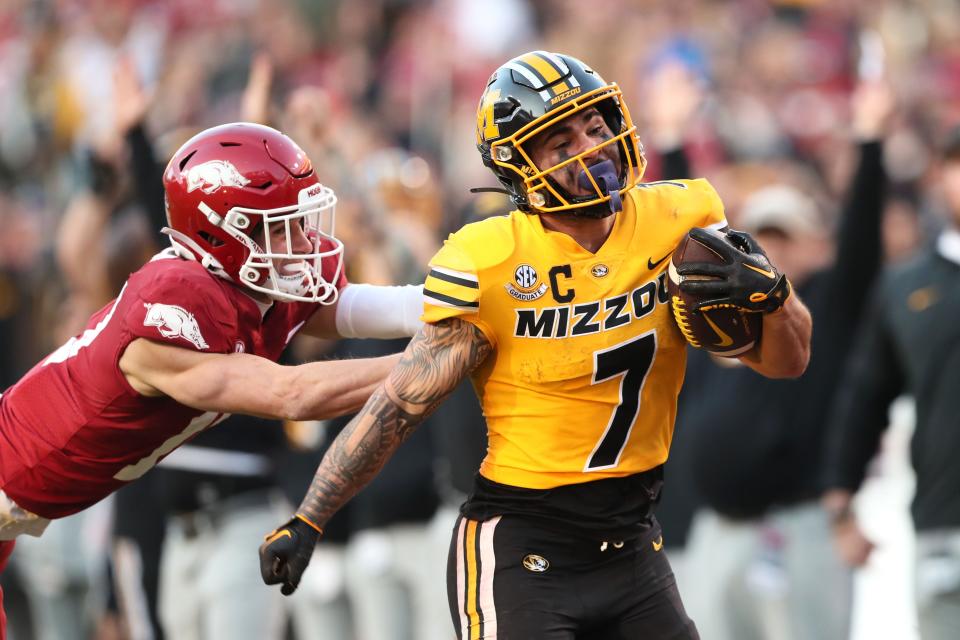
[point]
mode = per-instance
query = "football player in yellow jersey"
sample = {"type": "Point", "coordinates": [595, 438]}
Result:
{"type": "Point", "coordinates": [559, 314]}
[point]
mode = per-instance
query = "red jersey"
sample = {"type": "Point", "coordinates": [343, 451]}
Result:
{"type": "Point", "coordinates": [73, 429]}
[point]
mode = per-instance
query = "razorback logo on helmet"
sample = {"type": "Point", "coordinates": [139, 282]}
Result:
{"type": "Point", "coordinates": [211, 175]}
{"type": "Point", "coordinates": [174, 322]}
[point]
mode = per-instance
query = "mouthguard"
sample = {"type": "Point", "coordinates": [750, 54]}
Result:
{"type": "Point", "coordinates": [605, 175]}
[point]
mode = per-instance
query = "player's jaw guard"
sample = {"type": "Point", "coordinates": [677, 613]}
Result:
{"type": "Point", "coordinates": [603, 177]}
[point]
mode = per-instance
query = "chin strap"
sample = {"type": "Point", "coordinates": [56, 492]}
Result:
{"type": "Point", "coordinates": [185, 247]}
{"type": "Point", "coordinates": [603, 177]}
{"type": "Point", "coordinates": [490, 190]}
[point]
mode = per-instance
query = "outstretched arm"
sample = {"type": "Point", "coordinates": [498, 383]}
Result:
{"type": "Point", "coordinates": [249, 384]}
{"type": "Point", "coordinates": [369, 311]}
{"type": "Point", "coordinates": [434, 363]}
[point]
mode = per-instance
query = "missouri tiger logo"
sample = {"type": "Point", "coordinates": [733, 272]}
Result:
{"type": "Point", "coordinates": [535, 563]}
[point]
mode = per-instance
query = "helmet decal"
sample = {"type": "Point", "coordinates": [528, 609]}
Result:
{"type": "Point", "coordinates": [543, 70]}
{"type": "Point", "coordinates": [211, 176]}
{"type": "Point", "coordinates": [487, 128]}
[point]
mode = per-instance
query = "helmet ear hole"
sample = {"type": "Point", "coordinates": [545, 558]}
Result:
{"type": "Point", "coordinates": [505, 108]}
{"type": "Point", "coordinates": [186, 159]}
{"type": "Point", "coordinates": [255, 232]}
{"type": "Point", "coordinates": [210, 239]}
{"type": "Point", "coordinates": [610, 111]}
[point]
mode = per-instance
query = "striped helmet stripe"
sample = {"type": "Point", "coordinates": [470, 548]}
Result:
{"type": "Point", "coordinates": [556, 61]}
{"type": "Point", "coordinates": [545, 69]}
{"type": "Point", "coordinates": [535, 82]}
{"type": "Point", "coordinates": [541, 66]}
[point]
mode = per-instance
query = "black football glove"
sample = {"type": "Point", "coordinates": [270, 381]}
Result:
{"type": "Point", "coordinates": [746, 279]}
{"type": "Point", "coordinates": [286, 552]}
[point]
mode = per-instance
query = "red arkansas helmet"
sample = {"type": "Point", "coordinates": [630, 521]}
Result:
{"type": "Point", "coordinates": [228, 189]}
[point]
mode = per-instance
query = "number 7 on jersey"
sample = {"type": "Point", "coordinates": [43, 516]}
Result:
{"type": "Point", "coordinates": [631, 361]}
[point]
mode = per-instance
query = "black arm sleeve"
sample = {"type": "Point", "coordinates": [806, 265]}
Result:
{"type": "Point", "coordinates": [859, 242]}
{"type": "Point", "coordinates": [873, 379]}
{"type": "Point", "coordinates": [676, 165]}
{"type": "Point", "coordinates": [147, 177]}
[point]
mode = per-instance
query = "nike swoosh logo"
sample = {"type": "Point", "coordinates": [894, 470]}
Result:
{"type": "Point", "coordinates": [725, 340]}
{"type": "Point", "coordinates": [653, 265]}
{"type": "Point", "coordinates": [657, 544]}
{"type": "Point", "coordinates": [770, 274]}
{"type": "Point", "coordinates": [276, 535]}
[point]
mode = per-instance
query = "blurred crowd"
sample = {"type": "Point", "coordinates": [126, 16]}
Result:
{"type": "Point", "coordinates": [382, 94]}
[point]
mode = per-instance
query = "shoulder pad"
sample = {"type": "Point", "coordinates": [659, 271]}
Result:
{"type": "Point", "coordinates": [693, 202]}
{"type": "Point", "coordinates": [488, 242]}
{"type": "Point", "coordinates": [182, 280]}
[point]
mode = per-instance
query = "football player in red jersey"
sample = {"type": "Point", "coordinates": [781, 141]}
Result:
{"type": "Point", "coordinates": [195, 333]}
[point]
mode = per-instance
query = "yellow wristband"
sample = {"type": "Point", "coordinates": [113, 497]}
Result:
{"type": "Point", "coordinates": [312, 525]}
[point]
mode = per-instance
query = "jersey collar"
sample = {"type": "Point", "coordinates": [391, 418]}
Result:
{"type": "Point", "coordinates": [616, 243]}
{"type": "Point", "coordinates": [263, 306]}
{"type": "Point", "coordinates": [171, 253]}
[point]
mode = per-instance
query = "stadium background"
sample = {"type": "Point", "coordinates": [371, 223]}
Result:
{"type": "Point", "coordinates": [382, 95]}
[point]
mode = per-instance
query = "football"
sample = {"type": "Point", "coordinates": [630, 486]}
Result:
{"type": "Point", "coordinates": [726, 332]}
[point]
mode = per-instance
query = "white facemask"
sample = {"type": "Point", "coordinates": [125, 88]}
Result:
{"type": "Point", "coordinates": [300, 276]}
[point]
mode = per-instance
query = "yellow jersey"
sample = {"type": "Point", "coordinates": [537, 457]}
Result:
{"type": "Point", "coordinates": [587, 364]}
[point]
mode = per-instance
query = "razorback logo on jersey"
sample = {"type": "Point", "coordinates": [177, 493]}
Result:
{"type": "Point", "coordinates": [174, 322]}
{"type": "Point", "coordinates": [211, 175]}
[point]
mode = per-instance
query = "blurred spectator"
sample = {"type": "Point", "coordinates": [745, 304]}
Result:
{"type": "Point", "coordinates": [908, 344]}
{"type": "Point", "coordinates": [755, 443]}
{"type": "Point", "coordinates": [219, 491]}
{"type": "Point", "coordinates": [64, 576]}
{"type": "Point", "coordinates": [395, 558]}
{"type": "Point", "coordinates": [321, 601]}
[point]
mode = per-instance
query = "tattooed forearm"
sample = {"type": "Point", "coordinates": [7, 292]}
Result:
{"type": "Point", "coordinates": [432, 366]}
